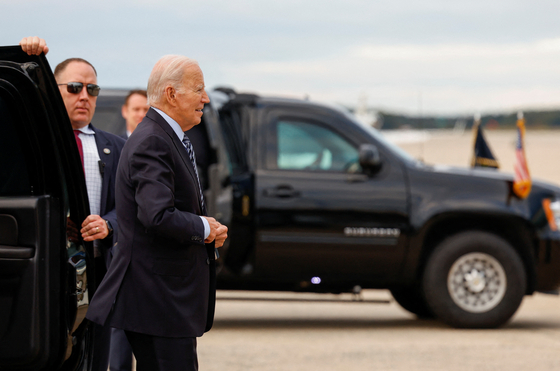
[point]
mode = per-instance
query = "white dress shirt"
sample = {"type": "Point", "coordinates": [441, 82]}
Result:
{"type": "Point", "coordinates": [93, 175]}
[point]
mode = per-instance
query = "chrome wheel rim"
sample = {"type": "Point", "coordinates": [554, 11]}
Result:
{"type": "Point", "coordinates": [477, 282]}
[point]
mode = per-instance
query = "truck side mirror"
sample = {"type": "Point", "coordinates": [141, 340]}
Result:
{"type": "Point", "coordinates": [369, 159]}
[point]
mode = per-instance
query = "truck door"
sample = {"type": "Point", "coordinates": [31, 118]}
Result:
{"type": "Point", "coordinates": [320, 218]}
{"type": "Point", "coordinates": [43, 275]}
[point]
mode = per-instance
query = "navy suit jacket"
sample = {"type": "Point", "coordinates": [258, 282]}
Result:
{"type": "Point", "coordinates": [109, 147]}
{"type": "Point", "coordinates": [161, 281]}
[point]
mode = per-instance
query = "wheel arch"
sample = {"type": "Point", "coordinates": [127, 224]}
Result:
{"type": "Point", "coordinates": [514, 230]}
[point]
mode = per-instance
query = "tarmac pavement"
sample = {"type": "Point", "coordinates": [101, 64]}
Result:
{"type": "Point", "coordinates": [278, 335]}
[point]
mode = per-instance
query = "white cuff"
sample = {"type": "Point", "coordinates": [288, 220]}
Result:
{"type": "Point", "coordinates": [206, 227]}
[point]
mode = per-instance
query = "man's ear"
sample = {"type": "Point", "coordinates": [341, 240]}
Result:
{"type": "Point", "coordinates": [124, 111]}
{"type": "Point", "coordinates": [170, 95]}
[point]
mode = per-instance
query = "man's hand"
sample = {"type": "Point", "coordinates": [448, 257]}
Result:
{"type": "Point", "coordinates": [34, 45]}
{"type": "Point", "coordinates": [218, 232]}
{"type": "Point", "coordinates": [94, 228]}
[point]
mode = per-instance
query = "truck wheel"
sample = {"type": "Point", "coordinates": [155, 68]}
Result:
{"type": "Point", "coordinates": [412, 300]}
{"type": "Point", "coordinates": [474, 280]}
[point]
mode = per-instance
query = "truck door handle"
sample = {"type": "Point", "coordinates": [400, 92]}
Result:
{"type": "Point", "coordinates": [281, 192]}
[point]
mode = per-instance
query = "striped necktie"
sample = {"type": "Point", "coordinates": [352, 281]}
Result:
{"type": "Point", "coordinates": [190, 151]}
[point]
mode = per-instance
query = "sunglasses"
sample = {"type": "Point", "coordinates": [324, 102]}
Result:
{"type": "Point", "coordinates": [76, 88]}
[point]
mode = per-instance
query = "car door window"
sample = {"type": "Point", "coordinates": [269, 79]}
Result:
{"type": "Point", "coordinates": [309, 146]}
{"type": "Point", "coordinates": [231, 123]}
{"type": "Point", "coordinates": [14, 176]}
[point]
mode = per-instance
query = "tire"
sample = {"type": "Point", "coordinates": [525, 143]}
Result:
{"type": "Point", "coordinates": [412, 300]}
{"type": "Point", "coordinates": [474, 280]}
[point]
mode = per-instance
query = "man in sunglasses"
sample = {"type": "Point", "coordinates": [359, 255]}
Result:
{"type": "Point", "coordinates": [99, 152]}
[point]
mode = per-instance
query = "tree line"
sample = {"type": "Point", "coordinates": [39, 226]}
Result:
{"type": "Point", "coordinates": [533, 119]}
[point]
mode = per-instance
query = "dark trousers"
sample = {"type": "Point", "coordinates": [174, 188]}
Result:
{"type": "Point", "coordinates": [102, 337]}
{"type": "Point", "coordinates": [101, 346]}
{"type": "Point", "coordinates": [154, 353]}
{"type": "Point", "coordinates": [120, 358]}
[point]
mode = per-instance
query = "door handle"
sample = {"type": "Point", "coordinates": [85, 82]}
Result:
{"type": "Point", "coordinates": [8, 230]}
{"type": "Point", "coordinates": [281, 192]}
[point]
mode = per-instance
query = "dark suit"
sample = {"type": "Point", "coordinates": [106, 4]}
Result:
{"type": "Point", "coordinates": [162, 278]}
{"type": "Point", "coordinates": [120, 355]}
{"type": "Point", "coordinates": [109, 148]}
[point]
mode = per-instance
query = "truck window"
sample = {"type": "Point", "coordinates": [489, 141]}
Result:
{"type": "Point", "coordinates": [14, 177]}
{"type": "Point", "coordinates": [236, 147]}
{"type": "Point", "coordinates": [308, 146]}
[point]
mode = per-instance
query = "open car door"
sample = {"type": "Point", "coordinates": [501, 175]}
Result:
{"type": "Point", "coordinates": [43, 270]}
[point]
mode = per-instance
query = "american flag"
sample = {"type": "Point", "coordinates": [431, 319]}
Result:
{"type": "Point", "coordinates": [522, 179]}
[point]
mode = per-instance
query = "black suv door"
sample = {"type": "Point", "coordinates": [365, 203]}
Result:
{"type": "Point", "coordinates": [43, 275]}
{"type": "Point", "coordinates": [321, 218]}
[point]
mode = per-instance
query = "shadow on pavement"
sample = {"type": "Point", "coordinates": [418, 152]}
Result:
{"type": "Point", "coordinates": [345, 323]}
{"type": "Point", "coordinates": [329, 323]}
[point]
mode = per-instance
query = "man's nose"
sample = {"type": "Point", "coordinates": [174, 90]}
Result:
{"type": "Point", "coordinates": [205, 98]}
{"type": "Point", "coordinates": [83, 94]}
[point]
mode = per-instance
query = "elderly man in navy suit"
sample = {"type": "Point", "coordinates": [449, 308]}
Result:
{"type": "Point", "coordinates": [133, 111]}
{"type": "Point", "coordinates": [160, 287]}
{"type": "Point", "coordinates": [99, 152]}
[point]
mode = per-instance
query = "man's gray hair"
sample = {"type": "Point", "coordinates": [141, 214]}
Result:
{"type": "Point", "coordinates": [168, 71]}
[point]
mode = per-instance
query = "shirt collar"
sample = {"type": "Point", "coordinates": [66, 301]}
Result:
{"type": "Point", "coordinates": [174, 125]}
{"type": "Point", "coordinates": [87, 130]}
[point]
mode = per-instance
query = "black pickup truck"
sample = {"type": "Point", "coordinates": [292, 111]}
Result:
{"type": "Point", "coordinates": [317, 202]}
{"type": "Point", "coordinates": [314, 202]}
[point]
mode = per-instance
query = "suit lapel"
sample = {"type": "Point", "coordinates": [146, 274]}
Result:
{"type": "Point", "coordinates": [106, 155]}
{"type": "Point", "coordinates": [180, 149]}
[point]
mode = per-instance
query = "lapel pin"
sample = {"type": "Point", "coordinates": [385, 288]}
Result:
{"type": "Point", "coordinates": [106, 151]}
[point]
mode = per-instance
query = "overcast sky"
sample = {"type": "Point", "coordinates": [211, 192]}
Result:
{"type": "Point", "coordinates": [408, 56]}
